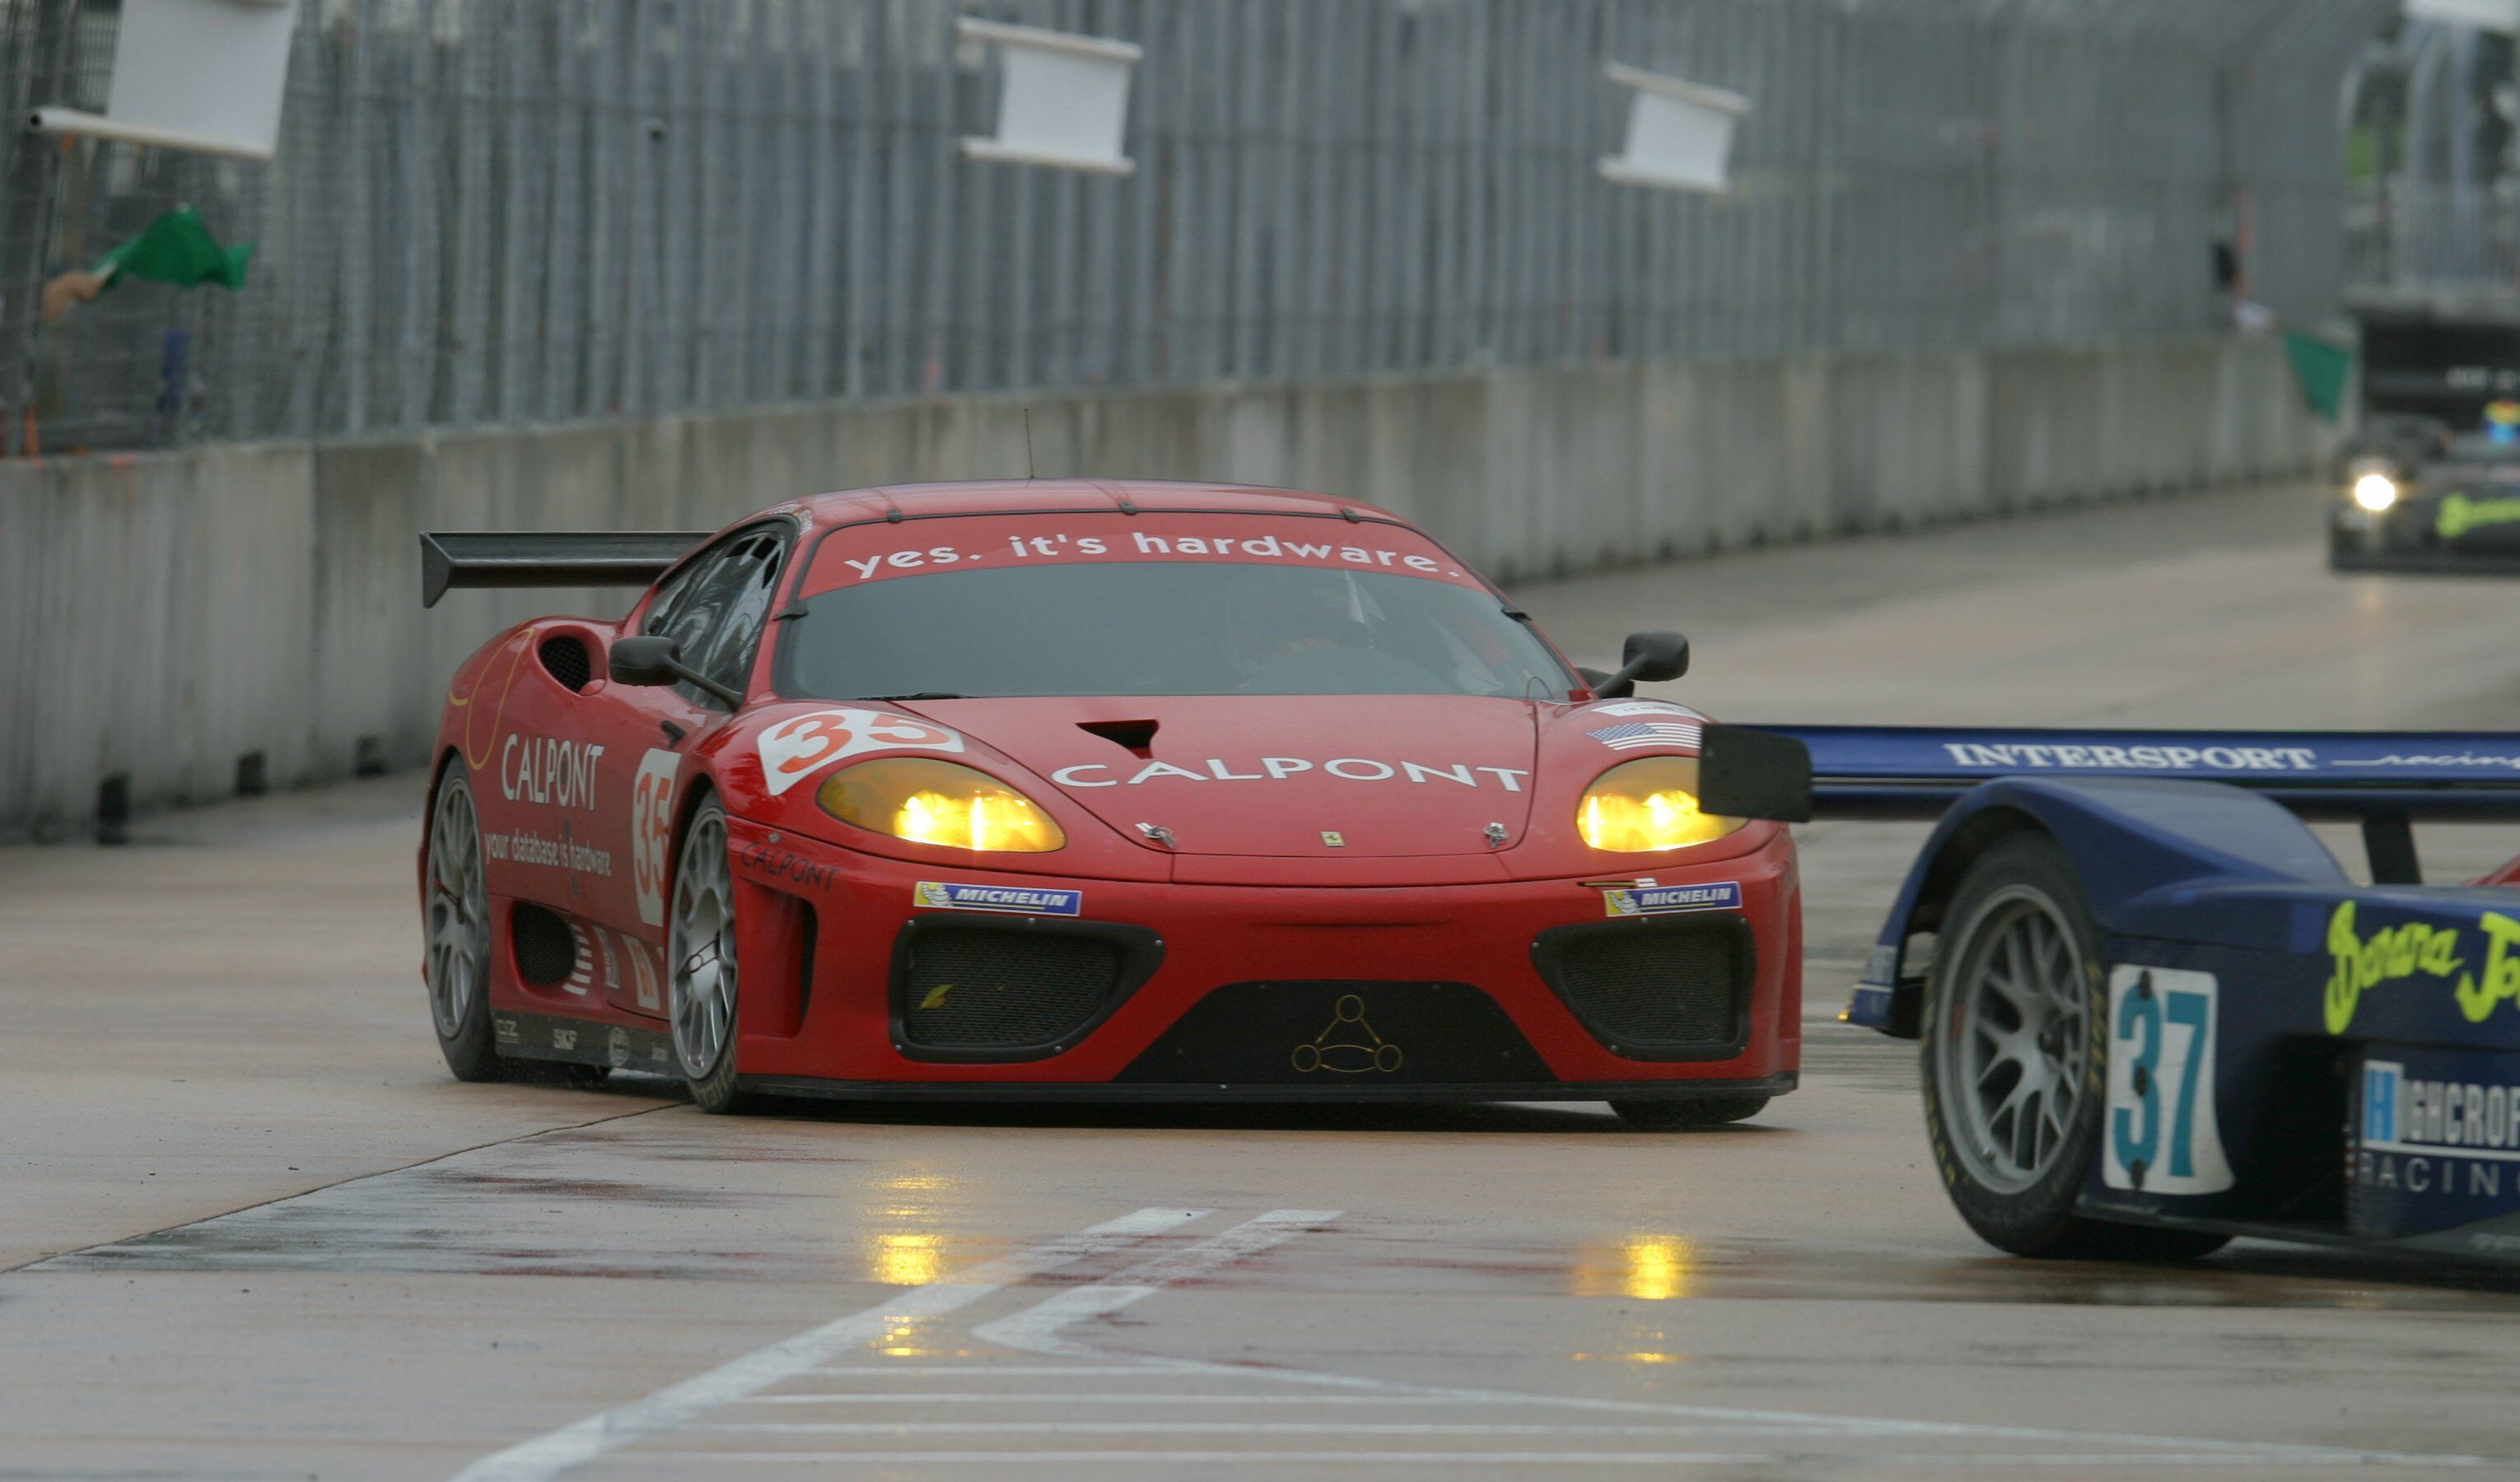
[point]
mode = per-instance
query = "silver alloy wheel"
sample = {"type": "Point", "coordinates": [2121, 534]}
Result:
{"type": "Point", "coordinates": [458, 909]}
{"type": "Point", "coordinates": [702, 979]}
{"type": "Point", "coordinates": [2013, 1064]}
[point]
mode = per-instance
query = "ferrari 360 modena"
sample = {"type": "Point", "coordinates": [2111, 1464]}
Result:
{"type": "Point", "coordinates": [1088, 790]}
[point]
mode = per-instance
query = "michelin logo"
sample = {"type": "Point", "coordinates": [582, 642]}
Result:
{"type": "Point", "coordinates": [946, 896]}
{"type": "Point", "coordinates": [1661, 900]}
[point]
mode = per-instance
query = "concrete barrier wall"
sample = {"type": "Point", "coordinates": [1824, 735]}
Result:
{"type": "Point", "coordinates": [168, 614]}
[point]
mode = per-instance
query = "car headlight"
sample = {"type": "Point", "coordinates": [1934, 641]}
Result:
{"type": "Point", "coordinates": [932, 802]}
{"type": "Point", "coordinates": [1646, 805]}
{"type": "Point", "coordinates": [2376, 492]}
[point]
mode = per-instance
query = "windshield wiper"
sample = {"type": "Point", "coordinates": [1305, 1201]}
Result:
{"type": "Point", "coordinates": [921, 694]}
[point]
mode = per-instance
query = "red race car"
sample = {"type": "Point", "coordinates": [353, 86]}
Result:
{"type": "Point", "coordinates": [1123, 791]}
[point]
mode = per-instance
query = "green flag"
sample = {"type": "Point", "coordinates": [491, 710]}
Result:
{"type": "Point", "coordinates": [177, 249]}
{"type": "Point", "coordinates": [2324, 368]}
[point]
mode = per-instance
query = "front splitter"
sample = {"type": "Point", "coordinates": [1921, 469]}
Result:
{"type": "Point", "coordinates": [1139, 1093]}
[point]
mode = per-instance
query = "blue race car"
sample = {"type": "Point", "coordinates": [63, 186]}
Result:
{"type": "Point", "coordinates": [2154, 1013]}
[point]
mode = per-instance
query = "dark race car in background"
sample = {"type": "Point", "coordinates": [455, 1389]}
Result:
{"type": "Point", "coordinates": [2154, 1011]}
{"type": "Point", "coordinates": [2428, 479]}
{"type": "Point", "coordinates": [2434, 502]}
{"type": "Point", "coordinates": [1083, 789]}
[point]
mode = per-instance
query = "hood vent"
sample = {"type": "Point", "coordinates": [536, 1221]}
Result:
{"type": "Point", "coordinates": [1136, 736]}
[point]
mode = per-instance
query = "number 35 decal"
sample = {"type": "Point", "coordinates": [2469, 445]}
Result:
{"type": "Point", "coordinates": [801, 745]}
{"type": "Point", "coordinates": [652, 833]}
{"type": "Point", "coordinates": [2161, 1134]}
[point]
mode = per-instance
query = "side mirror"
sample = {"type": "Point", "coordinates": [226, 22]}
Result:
{"type": "Point", "coordinates": [1743, 773]}
{"type": "Point", "coordinates": [645, 660]}
{"type": "Point", "coordinates": [1649, 656]}
{"type": "Point", "coordinates": [651, 659]}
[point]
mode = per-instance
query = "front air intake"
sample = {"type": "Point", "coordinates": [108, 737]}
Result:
{"type": "Point", "coordinates": [546, 948]}
{"type": "Point", "coordinates": [1669, 990]}
{"type": "Point", "coordinates": [1010, 990]}
{"type": "Point", "coordinates": [566, 660]}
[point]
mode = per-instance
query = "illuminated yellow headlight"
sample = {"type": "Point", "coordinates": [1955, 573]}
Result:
{"type": "Point", "coordinates": [934, 802]}
{"type": "Point", "coordinates": [1646, 805]}
{"type": "Point", "coordinates": [2376, 492]}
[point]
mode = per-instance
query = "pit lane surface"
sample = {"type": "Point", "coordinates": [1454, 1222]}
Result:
{"type": "Point", "coordinates": [249, 1228]}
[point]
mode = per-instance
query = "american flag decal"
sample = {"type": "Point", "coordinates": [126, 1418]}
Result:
{"type": "Point", "coordinates": [1648, 733]}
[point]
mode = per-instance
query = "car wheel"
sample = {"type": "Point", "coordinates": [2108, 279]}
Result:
{"type": "Point", "coordinates": [1683, 1116]}
{"type": "Point", "coordinates": [701, 979]}
{"type": "Point", "coordinates": [2014, 1060]}
{"type": "Point", "coordinates": [457, 920]}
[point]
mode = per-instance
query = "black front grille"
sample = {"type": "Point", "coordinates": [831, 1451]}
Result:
{"type": "Point", "coordinates": [546, 948]}
{"type": "Point", "coordinates": [1657, 990]}
{"type": "Point", "coordinates": [1343, 1036]}
{"type": "Point", "coordinates": [1019, 986]}
{"type": "Point", "coordinates": [567, 660]}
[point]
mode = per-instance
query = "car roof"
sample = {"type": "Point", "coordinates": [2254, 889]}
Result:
{"type": "Point", "coordinates": [1025, 496]}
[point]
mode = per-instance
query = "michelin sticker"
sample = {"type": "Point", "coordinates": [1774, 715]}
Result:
{"type": "Point", "coordinates": [1019, 900]}
{"type": "Point", "coordinates": [1646, 898]}
{"type": "Point", "coordinates": [801, 745]}
{"type": "Point", "coordinates": [2159, 1133]}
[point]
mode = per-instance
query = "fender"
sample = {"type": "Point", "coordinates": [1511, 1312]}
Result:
{"type": "Point", "coordinates": [2143, 850]}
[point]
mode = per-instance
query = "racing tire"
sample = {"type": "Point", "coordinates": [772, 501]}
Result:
{"type": "Point", "coordinates": [700, 971]}
{"type": "Point", "coordinates": [2015, 1064]}
{"type": "Point", "coordinates": [455, 921]}
{"type": "Point", "coordinates": [1691, 1115]}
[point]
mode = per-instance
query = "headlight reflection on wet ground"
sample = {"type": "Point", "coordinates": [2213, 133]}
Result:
{"type": "Point", "coordinates": [1647, 1268]}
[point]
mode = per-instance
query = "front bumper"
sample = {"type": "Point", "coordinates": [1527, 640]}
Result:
{"type": "Point", "coordinates": [828, 1025]}
{"type": "Point", "coordinates": [2410, 537]}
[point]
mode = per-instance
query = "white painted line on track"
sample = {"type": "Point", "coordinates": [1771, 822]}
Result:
{"type": "Point", "coordinates": [971, 1370]}
{"type": "Point", "coordinates": [1035, 1329]}
{"type": "Point", "coordinates": [1039, 1329]}
{"type": "Point", "coordinates": [1524, 1459]}
{"type": "Point", "coordinates": [1240, 1429]}
{"type": "Point", "coordinates": [549, 1456]}
{"type": "Point", "coordinates": [988, 1397]}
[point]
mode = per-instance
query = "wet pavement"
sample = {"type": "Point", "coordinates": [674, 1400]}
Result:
{"type": "Point", "coordinates": [249, 1228]}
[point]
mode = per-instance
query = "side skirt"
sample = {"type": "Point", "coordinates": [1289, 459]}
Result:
{"type": "Point", "coordinates": [580, 1042]}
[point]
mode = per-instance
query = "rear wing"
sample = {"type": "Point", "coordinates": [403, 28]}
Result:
{"type": "Point", "coordinates": [1915, 772]}
{"type": "Point", "coordinates": [548, 559]}
{"type": "Point", "coordinates": [2385, 780]}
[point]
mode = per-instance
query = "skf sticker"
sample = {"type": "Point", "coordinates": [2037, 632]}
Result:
{"type": "Point", "coordinates": [1642, 899]}
{"type": "Point", "coordinates": [801, 745]}
{"type": "Point", "coordinates": [1019, 900]}
{"type": "Point", "coordinates": [652, 830]}
{"type": "Point", "coordinates": [2160, 1135]}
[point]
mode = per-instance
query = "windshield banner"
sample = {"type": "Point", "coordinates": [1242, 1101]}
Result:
{"type": "Point", "coordinates": [916, 548]}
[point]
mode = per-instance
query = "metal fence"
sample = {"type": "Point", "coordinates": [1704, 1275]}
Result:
{"type": "Point", "coordinates": [493, 212]}
{"type": "Point", "coordinates": [2433, 183]}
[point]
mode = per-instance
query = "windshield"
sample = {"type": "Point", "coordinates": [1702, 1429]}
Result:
{"type": "Point", "coordinates": [1163, 627]}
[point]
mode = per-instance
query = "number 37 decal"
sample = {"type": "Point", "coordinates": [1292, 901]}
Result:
{"type": "Point", "coordinates": [2161, 1135]}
